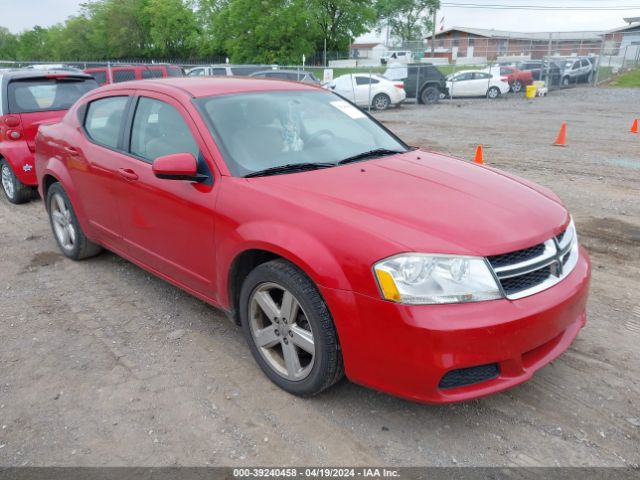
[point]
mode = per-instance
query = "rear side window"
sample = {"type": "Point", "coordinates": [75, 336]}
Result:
{"type": "Point", "coordinates": [158, 130]}
{"type": "Point", "coordinates": [101, 77]}
{"type": "Point", "coordinates": [222, 72]}
{"type": "Point", "coordinates": [46, 94]}
{"type": "Point", "coordinates": [104, 118]}
{"type": "Point", "coordinates": [124, 75]}
{"type": "Point", "coordinates": [152, 73]}
{"type": "Point", "coordinates": [175, 72]}
{"type": "Point", "coordinates": [366, 81]}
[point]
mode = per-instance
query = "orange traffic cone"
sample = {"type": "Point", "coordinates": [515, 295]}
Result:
{"type": "Point", "coordinates": [561, 140]}
{"type": "Point", "coordinates": [479, 158]}
{"type": "Point", "coordinates": [634, 127]}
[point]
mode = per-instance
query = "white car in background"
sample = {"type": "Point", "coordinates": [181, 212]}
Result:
{"type": "Point", "coordinates": [476, 83]}
{"type": "Point", "coordinates": [364, 90]}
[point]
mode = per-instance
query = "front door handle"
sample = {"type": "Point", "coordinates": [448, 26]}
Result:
{"type": "Point", "coordinates": [72, 151]}
{"type": "Point", "coordinates": [128, 174]}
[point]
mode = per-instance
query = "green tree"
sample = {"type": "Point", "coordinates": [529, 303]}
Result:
{"type": "Point", "coordinates": [8, 45]}
{"type": "Point", "coordinates": [172, 28]}
{"type": "Point", "coordinates": [266, 31]}
{"type": "Point", "coordinates": [406, 19]}
{"type": "Point", "coordinates": [340, 21]}
{"type": "Point", "coordinates": [32, 44]}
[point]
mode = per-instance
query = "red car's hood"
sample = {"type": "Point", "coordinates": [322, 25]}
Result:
{"type": "Point", "coordinates": [428, 202]}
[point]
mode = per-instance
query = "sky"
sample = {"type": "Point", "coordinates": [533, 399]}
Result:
{"type": "Point", "coordinates": [20, 15]}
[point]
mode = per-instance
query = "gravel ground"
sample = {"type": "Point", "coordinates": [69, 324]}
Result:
{"type": "Point", "coordinates": [104, 364]}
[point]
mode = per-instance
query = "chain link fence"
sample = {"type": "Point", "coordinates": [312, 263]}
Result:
{"type": "Point", "coordinates": [449, 69]}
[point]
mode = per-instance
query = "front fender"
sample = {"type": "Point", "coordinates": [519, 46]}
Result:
{"type": "Point", "coordinates": [299, 247]}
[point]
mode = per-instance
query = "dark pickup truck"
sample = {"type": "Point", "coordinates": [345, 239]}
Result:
{"type": "Point", "coordinates": [422, 81]}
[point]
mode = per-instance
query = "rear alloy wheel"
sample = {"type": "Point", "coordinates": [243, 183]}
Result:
{"type": "Point", "coordinates": [516, 86]}
{"type": "Point", "coordinates": [15, 191]}
{"type": "Point", "coordinates": [381, 101]}
{"type": "Point", "coordinates": [66, 229]}
{"type": "Point", "coordinates": [493, 93]}
{"type": "Point", "coordinates": [430, 95]}
{"type": "Point", "coordinates": [289, 329]}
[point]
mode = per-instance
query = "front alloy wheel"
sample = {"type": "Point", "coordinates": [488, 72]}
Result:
{"type": "Point", "coordinates": [282, 332]}
{"type": "Point", "coordinates": [289, 329]}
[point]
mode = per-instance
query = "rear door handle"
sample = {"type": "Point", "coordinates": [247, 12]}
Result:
{"type": "Point", "coordinates": [128, 174]}
{"type": "Point", "coordinates": [71, 150]}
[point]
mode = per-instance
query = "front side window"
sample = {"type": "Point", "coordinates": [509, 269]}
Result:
{"type": "Point", "coordinates": [175, 72]}
{"type": "Point", "coordinates": [219, 72]}
{"type": "Point", "coordinates": [46, 94]}
{"type": "Point", "coordinates": [158, 130]}
{"type": "Point", "coordinates": [196, 72]}
{"type": "Point", "coordinates": [103, 121]}
{"type": "Point", "coordinates": [257, 131]}
{"type": "Point", "coordinates": [123, 75]}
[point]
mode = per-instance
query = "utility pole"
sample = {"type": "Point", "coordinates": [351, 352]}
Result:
{"type": "Point", "coordinates": [433, 33]}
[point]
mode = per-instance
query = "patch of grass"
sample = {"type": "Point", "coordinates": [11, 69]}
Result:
{"type": "Point", "coordinates": [628, 79]}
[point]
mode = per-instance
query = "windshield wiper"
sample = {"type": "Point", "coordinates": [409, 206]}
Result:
{"type": "Point", "coordinates": [378, 152]}
{"type": "Point", "coordinates": [289, 168]}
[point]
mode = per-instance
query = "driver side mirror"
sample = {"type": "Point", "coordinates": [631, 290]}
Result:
{"type": "Point", "coordinates": [177, 166]}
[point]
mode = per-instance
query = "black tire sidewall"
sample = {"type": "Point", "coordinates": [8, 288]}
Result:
{"type": "Point", "coordinates": [424, 95]}
{"type": "Point", "coordinates": [519, 84]}
{"type": "Point", "coordinates": [316, 381]}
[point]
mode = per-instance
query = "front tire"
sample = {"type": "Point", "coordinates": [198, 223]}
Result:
{"type": "Point", "coordinates": [381, 101]}
{"type": "Point", "coordinates": [66, 228]}
{"type": "Point", "coordinates": [493, 93]}
{"type": "Point", "coordinates": [517, 86]}
{"type": "Point", "coordinates": [289, 329]}
{"type": "Point", "coordinates": [566, 81]}
{"type": "Point", "coordinates": [15, 191]}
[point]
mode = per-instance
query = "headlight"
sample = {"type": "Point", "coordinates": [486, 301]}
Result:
{"type": "Point", "coordinates": [420, 279]}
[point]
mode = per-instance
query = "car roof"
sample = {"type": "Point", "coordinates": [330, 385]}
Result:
{"type": "Point", "coordinates": [203, 87]}
{"type": "Point", "coordinates": [36, 73]}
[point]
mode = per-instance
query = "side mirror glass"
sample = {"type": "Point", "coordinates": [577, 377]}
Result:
{"type": "Point", "coordinates": [178, 166]}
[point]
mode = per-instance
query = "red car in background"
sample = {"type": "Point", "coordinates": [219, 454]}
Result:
{"type": "Point", "coordinates": [123, 73]}
{"type": "Point", "coordinates": [29, 98]}
{"type": "Point", "coordinates": [517, 79]}
{"type": "Point", "coordinates": [338, 248]}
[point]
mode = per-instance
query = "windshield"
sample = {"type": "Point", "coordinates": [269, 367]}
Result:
{"type": "Point", "coordinates": [47, 94]}
{"type": "Point", "coordinates": [258, 131]}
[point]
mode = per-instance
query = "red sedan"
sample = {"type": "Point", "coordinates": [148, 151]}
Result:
{"type": "Point", "coordinates": [517, 79]}
{"type": "Point", "coordinates": [336, 247]}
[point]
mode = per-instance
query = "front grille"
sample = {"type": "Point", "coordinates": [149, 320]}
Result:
{"type": "Point", "coordinates": [517, 256]}
{"type": "Point", "coordinates": [523, 282]}
{"type": "Point", "coordinates": [468, 376]}
{"type": "Point", "coordinates": [530, 270]}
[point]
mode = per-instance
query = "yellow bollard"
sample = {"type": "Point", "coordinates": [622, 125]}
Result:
{"type": "Point", "coordinates": [532, 90]}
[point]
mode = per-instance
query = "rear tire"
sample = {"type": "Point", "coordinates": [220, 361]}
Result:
{"type": "Point", "coordinates": [493, 93]}
{"type": "Point", "coordinates": [15, 191]}
{"type": "Point", "coordinates": [66, 229]}
{"type": "Point", "coordinates": [298, 351]}
{"type": "Point", "coordinates": [381, 101]}
{"type": "Point", "coordinates": [429, 95]}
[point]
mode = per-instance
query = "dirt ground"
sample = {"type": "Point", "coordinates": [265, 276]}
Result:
{"type": "Point", "coordinates": [103, 364]}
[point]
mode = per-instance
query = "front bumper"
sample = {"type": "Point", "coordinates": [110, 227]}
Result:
{"type": "Point", "coordinates": [407, 350]}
